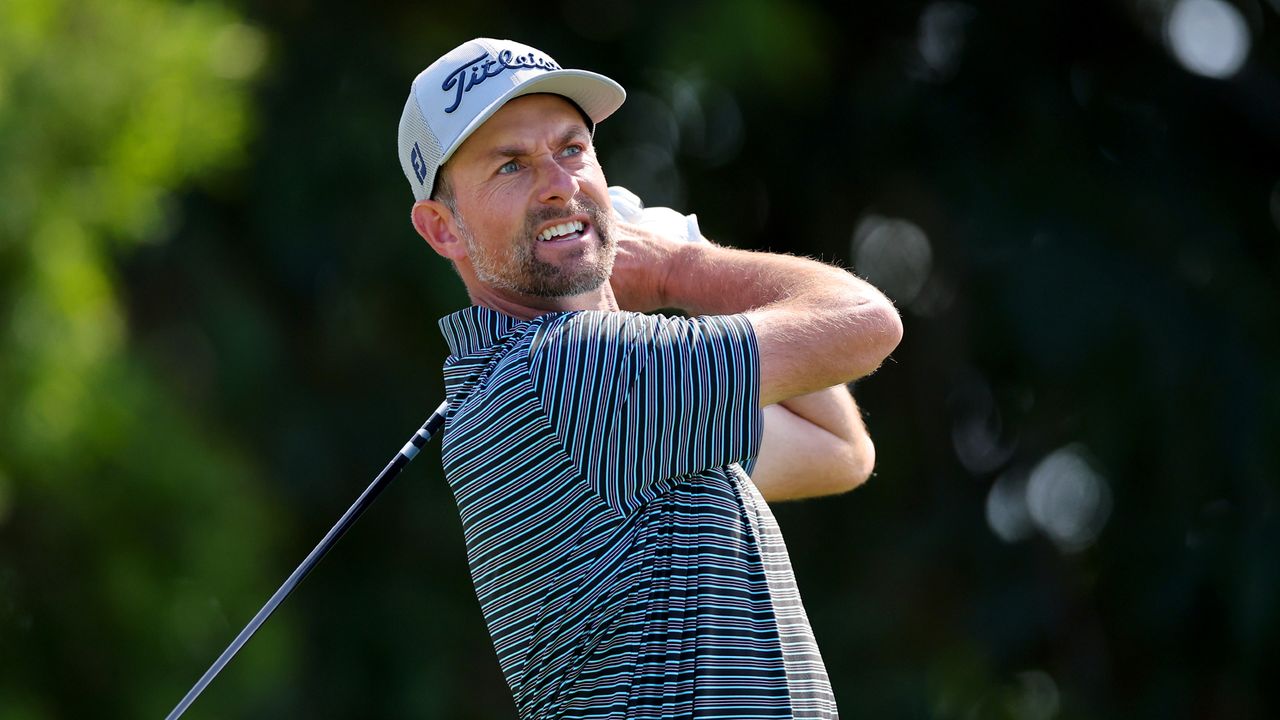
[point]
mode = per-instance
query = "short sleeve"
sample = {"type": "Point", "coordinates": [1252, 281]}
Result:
{"type": "Point", "coordinates": [637, 399]}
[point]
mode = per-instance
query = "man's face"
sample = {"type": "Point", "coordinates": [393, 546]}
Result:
{"type": "Point", "coordinates": [531, 201]}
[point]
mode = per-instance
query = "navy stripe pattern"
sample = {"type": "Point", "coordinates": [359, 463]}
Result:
{"type": "Point", "coordinates": [625, 564]}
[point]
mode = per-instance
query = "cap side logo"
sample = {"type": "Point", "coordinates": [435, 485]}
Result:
{"type": "Point", "coordinates": [419, 164]}
{"type": "Point", "coordinates": [473, 72]}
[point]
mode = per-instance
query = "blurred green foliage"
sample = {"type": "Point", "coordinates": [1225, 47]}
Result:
{"type": "Point", "coordinates": [218, 324]}
{"type": "Point", "coordinates": [109, 487]}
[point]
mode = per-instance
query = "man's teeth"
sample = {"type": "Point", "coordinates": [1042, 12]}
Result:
{"type": "Point", "coordinates": [561, 229]}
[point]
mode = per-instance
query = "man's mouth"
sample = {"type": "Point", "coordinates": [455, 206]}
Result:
{"type": "Point", "coordinates": [570, 230]}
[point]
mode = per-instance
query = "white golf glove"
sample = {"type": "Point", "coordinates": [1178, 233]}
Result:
{"type": "Point", "coordinates": [632, 210]}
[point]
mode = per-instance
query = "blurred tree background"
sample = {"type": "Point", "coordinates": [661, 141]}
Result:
{"type": "Point", "coordinates": [218, 324]}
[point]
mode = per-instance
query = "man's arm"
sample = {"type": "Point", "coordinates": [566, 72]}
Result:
{"type": "Point", "coordinates": [816, 325]}
{"type": "Point", "coordinates": [814, 445]}
{"type": "Point", "coordinates": [815, 442]}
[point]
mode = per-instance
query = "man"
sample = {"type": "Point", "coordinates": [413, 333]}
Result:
{"type": "Point", "coordinates": [625, 563]}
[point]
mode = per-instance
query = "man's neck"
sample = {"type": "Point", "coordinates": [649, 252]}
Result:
{"type": "Point", "coordinates": [528, 307]}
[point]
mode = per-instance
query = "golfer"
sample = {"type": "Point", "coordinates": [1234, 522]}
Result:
{"type": "Point", "coordinates": [608, 465]}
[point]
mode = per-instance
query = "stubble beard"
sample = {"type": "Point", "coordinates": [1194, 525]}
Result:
{"type": "Point", "coordinates": [519, 269]}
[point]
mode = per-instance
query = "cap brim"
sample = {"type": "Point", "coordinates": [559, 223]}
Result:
{"type": "Point", "coordinates": [597, 95]}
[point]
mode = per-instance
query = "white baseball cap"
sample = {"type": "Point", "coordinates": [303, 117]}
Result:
{"type": "Point", "coordinates": [465, 87]}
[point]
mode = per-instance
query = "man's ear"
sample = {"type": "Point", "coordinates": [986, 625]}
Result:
{"type": "Point", "coordinates": [435, 223]}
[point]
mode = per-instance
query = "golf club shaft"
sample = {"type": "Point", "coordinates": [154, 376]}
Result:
{"type": "Point", "coordinates": [353, 513]}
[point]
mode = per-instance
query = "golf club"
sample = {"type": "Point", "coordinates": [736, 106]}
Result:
{"type": "Point", "coordinates": [353, 513]}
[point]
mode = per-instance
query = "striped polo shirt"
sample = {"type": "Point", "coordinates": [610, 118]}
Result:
{"type": "Point", "coordinates": [625, 564]}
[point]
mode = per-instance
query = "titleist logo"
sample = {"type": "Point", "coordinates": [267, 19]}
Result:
{"type": "Point", "coordinates": [474, 72]}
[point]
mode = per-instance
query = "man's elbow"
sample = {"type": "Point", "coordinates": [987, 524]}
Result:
{"type": "Point", "coordinates": [892, 323]}
{"type": "Point", "coordinates": [851, 469]}
{"type": "Point", "coordinates": [887, 324]}
{"type": "Point", "coordinates": [858, 467]}
{"type": "Point", "coordinates": [877, 334]}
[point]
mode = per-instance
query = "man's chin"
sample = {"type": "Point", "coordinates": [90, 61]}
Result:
{"type": "Point", "coordinates": [550, 285]}
{"type": "Point", "coordinates": [569, 287]}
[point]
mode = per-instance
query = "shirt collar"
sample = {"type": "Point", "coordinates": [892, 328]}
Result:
{"type": "Point", "coordinates": [475, 328]}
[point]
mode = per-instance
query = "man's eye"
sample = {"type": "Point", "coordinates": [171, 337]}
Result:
{"type": "Point", "coordinates": [572, 150]}
{"type": "Point", "coordinates": [508, 168]}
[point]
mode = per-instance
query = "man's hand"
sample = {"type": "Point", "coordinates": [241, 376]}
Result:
{"type": "Point", "coordinates": [646, 238]}
{"type": "Point", "coordinates": [641, 266]}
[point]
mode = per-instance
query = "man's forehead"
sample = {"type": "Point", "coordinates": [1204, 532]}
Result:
{"type": "Point", "coordinates": [530, 117]}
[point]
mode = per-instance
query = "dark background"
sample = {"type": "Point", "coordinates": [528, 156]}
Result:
{"type": "Point", "coordinates": [219, 324]}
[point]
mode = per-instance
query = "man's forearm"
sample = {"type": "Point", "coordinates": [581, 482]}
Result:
{"type": "Point", "coordinates": [706, 279]}
{"type": "Point", "coordinates": [833, 410]}
{"type": "Point", "coordinates": [819, 325]}
{"type": "Point", "coordinates": [814, 445]}
{"type": "Point", "coordinates": [816, 325]}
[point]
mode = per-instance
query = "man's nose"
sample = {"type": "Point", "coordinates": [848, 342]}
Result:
{"type": "Point", "coordinates": [555, 183]}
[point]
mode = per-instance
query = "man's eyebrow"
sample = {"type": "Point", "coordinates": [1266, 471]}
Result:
{"type": "Point", "coordinates": [576, 132]}
{"type": "Point", "coordinates": [508, 151]}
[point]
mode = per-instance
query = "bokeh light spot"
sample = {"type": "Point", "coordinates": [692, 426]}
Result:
{"type": "Point", "coordinates": [649, 171]}
{"type": "Point", "coordinates": [1037, 697]}
{"type": "Point", "coordinates": [941, 37]}
{"type": "Point", "coordinates": [709, 118]}
{"type": "Point", "coordinates": [977, 428]}
{"type": "Point", "coordinates": [1006, 507]}
{"type": "Point", "coordinates": [237, 51]}
{"type": "Point", "coordinates": [1208, 37]}
{"type": "Point", "coordinates": [1067, 499]}
{"type": "Point", "coordinates": [894, 254]}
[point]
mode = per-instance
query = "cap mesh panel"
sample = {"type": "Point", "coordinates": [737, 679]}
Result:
{"type": "Point", "coordinates": [414, 129]}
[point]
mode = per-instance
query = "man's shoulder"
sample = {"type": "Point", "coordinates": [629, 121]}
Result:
{"type": "Point", "coordinates": [609, 335]}
{"type": "Point", "coordinates": [593, 327]}
{"type": "Point", "coordinates": [616, 320]}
